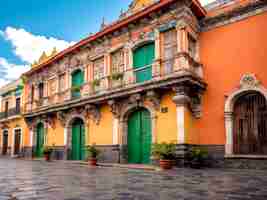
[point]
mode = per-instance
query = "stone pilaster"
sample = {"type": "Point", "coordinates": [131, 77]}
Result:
{"type": "Point", "coordinates": [229, 117]}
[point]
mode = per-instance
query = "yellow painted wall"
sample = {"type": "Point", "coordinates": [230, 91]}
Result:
{"type": "Point", "coordinates": [191, 132]}
{"type": "Point", "coordinates": [55, 135]}
{"type": "Point", "coordinates": [101, 134]}
{"type": "Point", "coordinates": [166, 126]}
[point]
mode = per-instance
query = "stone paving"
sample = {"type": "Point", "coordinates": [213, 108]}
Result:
{"type": "Point", "coordinates": [20, 179]}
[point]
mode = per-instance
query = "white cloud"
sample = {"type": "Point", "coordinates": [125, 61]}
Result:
{"type": "Point", "coordinates": [10, 72]}
{"type": "Point", "coordinates": [29, 47]}
{"type": "Point", "coordinates": [205, 2]}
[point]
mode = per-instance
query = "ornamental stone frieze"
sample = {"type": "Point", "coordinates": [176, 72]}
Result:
{"type": "Point", "coordinates": [154, 98]}
{"type": "Point", "coordinates": [86, 112]}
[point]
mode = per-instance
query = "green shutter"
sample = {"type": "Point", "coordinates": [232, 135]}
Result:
{"type": "Point", "coordinates": [144, 56]}
{"type": "Point", "coordinates": [77, 80]}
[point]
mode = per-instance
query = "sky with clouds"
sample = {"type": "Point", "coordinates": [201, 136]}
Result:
{"type": "Point", "coordinates": [27, 28]}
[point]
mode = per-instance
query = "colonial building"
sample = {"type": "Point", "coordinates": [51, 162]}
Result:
{"type": "Point", "coordinates": [165, 71]}
{"type": "Point", "coordinates": [13, 127]}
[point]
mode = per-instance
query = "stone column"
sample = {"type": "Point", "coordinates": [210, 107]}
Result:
{"type": "Point", "coordinates": [156, 64]}
{"type": "Point", "coordinates": [229, 117]}
{"type": "Point", "coordinates": [182, 100]}
{"type": "Point", "coordinates": [182, 47]}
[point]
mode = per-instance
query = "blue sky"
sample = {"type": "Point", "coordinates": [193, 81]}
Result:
{"type": "Point", "coordinates": [29, 27]}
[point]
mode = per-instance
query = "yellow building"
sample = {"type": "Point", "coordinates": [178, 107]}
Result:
{"type": "Point", "coordinates": [123, 89]}
{"type": "Point", "coordinates": [13, 128]}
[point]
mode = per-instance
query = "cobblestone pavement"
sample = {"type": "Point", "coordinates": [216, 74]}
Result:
{"type": "Point", "coordinates": [59, 180]}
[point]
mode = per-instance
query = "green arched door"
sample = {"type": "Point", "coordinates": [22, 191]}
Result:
{"type": "Point", "coordinates": [78, 140]}
{"type": "Point", "coordinates": [39, 140]}
{"type": "Point", "coordinates": [143, 58]}
{"type": "Point", "coordinates": [139, 137]}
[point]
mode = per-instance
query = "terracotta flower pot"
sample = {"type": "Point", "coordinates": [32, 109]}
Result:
{"type": "Point", "coordinates": [166, 164]}
{"type": "Point", "coordinates": [93, 161]}
{"type": "Point", "coordinates": [47, 157]}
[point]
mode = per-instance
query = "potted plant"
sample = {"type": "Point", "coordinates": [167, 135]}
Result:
{"type": "Point", "coordinates": [47, 153]}
{"type": "Point", "coordinates": [93, 154]}
{"type": "Point", "coordinates": [198, 157]}
{"type": "Point", "coordinates": [166, 153]}
{"type": "Point", "coordinates": [117, 76]}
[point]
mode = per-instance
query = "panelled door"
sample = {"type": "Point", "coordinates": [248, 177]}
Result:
{"type": "Point", "coordinates": [17, 138]}
{"type": "Point", "coordinates": [139, 137]}
{"type": "Point", "coordinates": [78, 140]}
{"type": "Point", "coordinates": [39, 140]}
{"type": "Point", "coordinates": [5, 142]}
{"type": "Point", "coordinates": [143, 58]}
{"type": "Point", "coordinates": [250, 124]}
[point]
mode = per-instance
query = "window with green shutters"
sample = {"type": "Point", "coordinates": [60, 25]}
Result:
{"type": "Point", "coordinates": [77, 81]}
{"type": "Point", "coordinates": [143, 58]}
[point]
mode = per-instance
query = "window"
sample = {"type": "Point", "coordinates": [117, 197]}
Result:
{"type": "Point", "coordinates": [6, 108]}
{"type": "Point", "coordinates": [77, 78]}
{"type": "Point", "coordinates": [41, 90]}
{"type": "Point", "coordinates": [17, 105]}
{"type": "Point", "coordinates": [32, 93]}
{"type": "Point", "coordinates": [169, 49]}
{"type": "Point", "coordinates": [117, 61]}
{"type": "Point", "coordinates": [192, 46]}
{"type": "Point", "coordinates": [61, 82]}
{"type": "Point", "coordinates": [99, 68]}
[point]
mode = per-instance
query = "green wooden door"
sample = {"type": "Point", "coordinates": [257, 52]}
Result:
{"type": "Point", "coordinates": [139, 137]}
{"type": "Point", "coordinates": [39, 140]}
{"type": "Point", "coordinates": [143, 57]}
{"type": "Point", "coordinates": [77, 79]}
{"type": "Point", "coordinates": [78, 140]}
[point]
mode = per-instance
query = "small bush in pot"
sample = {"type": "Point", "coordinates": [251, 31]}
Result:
{"type": "Point", "coordinates": [47, 153]}
{"type": "Point", "coordinates": [93, 153]}
{"type": "Point", "coordinates": [165, 152]}
{"type": "Point", "coordinates": [198, 157]}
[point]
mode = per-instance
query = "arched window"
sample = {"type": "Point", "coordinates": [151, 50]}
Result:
{"type": "Point", "coordinates": [143, 58]}
{"type": "Point", "coordinates": [77, 80]}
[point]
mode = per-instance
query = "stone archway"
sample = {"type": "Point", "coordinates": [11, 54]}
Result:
{"type": "Point", "coordinates": [248, 84]}
{"type": "Point", "coordinates": [123, 126]}
{"type": "Point", "coordinates": [68, 132]}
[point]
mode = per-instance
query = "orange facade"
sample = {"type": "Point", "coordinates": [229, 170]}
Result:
{"type": "Point", "coordinates": [227, 53]}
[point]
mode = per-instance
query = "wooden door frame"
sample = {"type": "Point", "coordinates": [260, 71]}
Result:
{"type": "Point", "coordinates": [13, 141]}
{"type": "Point", "coordinates": [5, 130]}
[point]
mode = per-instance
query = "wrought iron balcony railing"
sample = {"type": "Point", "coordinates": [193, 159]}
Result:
{"type": "Point", "coordinates": [10, 113]}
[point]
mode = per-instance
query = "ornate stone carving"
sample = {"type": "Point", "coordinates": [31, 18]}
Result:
{"type": "Point", "coordinates": [249, 81]}
{"type": "Point", "coordinates": [94, 112]}
{"type": "Point", "coordinates": [196, 105]}
{"type": "Point", "coordinates": [181, 97]}
{"type": "Point", "coordinates": [154, 98]}
{"type": "Point", "coordinates": [62, 117]}
{"type": "Point", "coordinates": [115, 108]}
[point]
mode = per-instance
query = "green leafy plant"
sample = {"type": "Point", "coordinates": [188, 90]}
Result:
{"type": "Point", "coordinates": [117, 76]}
{"type": "Point", "coordinates": [75, 88]}
{"type": "Point", "coordinates": [96, 82]}
{"type": "Point", "coordinates": [47, 150]}
{"type": "Point", "coordinates": [164, 151]}
{"type": "Point", "coordinates": [93, 152]}
{"type": "Point", "coordinates": [198, 157]}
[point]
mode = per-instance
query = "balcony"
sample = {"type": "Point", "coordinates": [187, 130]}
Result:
{"type": "Point", "coordinates": [159, 75]}
{"type": "Point", "coordinates": [11, 113]}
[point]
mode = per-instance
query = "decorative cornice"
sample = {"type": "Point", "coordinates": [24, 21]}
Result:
{"type": "Point", "coordinates": [239, 13]}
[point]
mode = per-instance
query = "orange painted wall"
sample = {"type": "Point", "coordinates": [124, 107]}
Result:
{"type": "Point", "coordinates": [228, 52]}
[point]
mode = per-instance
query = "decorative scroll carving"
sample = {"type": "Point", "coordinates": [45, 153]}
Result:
{"type": "Point", "coordinates": [181, 97]}
{"type": "Point", "coordinates": [196, 105]}
{"type": "Point", "coordinates": [115, 108]}
{"type": "Point", "coordinates": [154, 98]}
{"type": "Point", "coordinates": [249, 81]}
{"type": "Point", "coordinates": [62, 117]}
{"type": "Point", "coordinates": [94, 112]}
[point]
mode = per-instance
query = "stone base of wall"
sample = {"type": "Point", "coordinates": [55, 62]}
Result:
{"type": "Point", "coordinates": [58, 153]}
{"type": "Point", "coordinates": [246, 163]}
{"type": "Point", "coordinates": [109, 153]}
